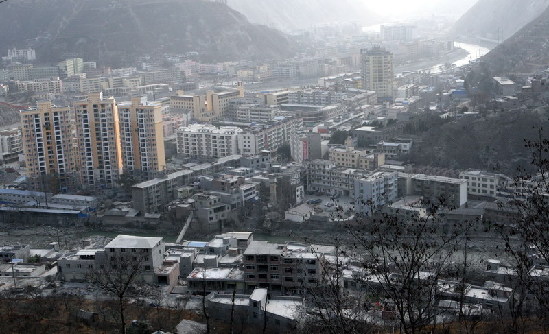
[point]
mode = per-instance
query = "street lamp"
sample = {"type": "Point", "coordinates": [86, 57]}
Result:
{"type": "Point", "coordinates": [13, 263]}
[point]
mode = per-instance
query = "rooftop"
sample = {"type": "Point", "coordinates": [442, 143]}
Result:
{"type": "Point", "coordinates": [130, 241]}
{"type": "Point", "coordinates": [216, 274]}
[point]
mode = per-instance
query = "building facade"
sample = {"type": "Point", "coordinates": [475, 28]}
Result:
{"type": "Point", "coordinates": [98, 138]}
{"type": "Point", "coordinates": [47, 141]}
{"type": "Point", "coordinates": [378, 72]}
{"type": "Point", "coordinates": [200, 140]}
{"type": "Point", "coordinates": [142, 136]}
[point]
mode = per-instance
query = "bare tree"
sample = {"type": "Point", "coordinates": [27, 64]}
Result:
{"type": "Point", "coordinates": [118, 278]}
{"type": "Point", "coordinates": [333, 308]}
{"type": "Point", "coordinates": [406, 259]}
{"type": "Point", "coordinates": [527, 241]}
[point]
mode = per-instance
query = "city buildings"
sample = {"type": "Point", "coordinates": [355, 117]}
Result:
{"type": "Point", "coordinates": [281, 268]}
{"type": "Point", "coordinates": [445, 191]}
{"type": "Point", "coordinates": [142, 136]}
{"type": "Point", "coordinates": [206, 108]}
{"type": "Point", "coordinates": [98, 137]}
{"type": "Point", "coordinates": [152, 196]}
{"type": "Point", "coordinates": [47, 142]}
{"type": "Point", "coordinates": [481, 183]}
{"type": "Point", "coordinates": [305, 146]}
{"type": "Point", "coordinates": [378, 72]}
{"type": "Point", "coordinates": [375, 191]}
{"type": "Point", "coordinates": [348, 156]}
{"type": "Point", "coordinates": [200, 140]}
{"type": "Point", "coordinates": [256, 113]}
{"type": "Point", "coordinates": [10, 143]}
{"type": "Point", "coordinates": [392, 149]}
{"type": "Point", "coordinates": [20, 54]}
{"type": "Point", "coordinates": [268, 136]}
{"type": "Point", "coordinates": [397, 32]}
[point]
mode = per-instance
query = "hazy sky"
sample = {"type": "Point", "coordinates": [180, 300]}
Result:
{"type": "Point", "coordinates": [404, 8]}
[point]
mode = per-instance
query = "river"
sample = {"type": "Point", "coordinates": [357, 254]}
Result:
{"type": "Point", "coordinates": [474, 53]}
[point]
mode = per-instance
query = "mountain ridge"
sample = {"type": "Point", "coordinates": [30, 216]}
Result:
{"type": "Point", "coordinates": [292, 15]}
{"type": "Point", "coordinates": [526, 51]}
{"type": "Point", "coordinates": [497, 20]}
{"type": "Point", "coordinates": [111, 31]}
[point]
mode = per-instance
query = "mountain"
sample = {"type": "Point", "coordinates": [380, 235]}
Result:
{"type": "Point", "coordinates": [526, 51]}
{"type": "Point", "coordinates": [292, 15]}
{"type": "Point", "coordinates": [111, 31]}
{"type": "Point", "coordinates": [497, 20]}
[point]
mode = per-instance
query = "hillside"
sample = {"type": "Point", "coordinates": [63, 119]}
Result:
{"type": "Point", "coordinates": [525, 52]}
{"type": "Point", "coordinates": [109, 31]}
{"type": "Point", "coordinates": [497, 20]}
{"type": "Point", "coordinates": [291, 15]}
{"type": "Point", "coordinates": [495, 142]}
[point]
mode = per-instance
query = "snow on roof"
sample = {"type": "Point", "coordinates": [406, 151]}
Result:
{"type": "Point", "coordinates": [216, 274]}
{"type": "Point", "coordinates": [130, 241]}
{"type": "Point", "coordinates": [285, 308]}
{"type": "Point", "coordinates": [258, 294]}
{"type": "Point", "coordinates": [74, 197]}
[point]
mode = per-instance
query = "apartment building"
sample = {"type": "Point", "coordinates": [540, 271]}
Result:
{"type": "Point", "coordinates": [305, 146]}
{"type": "Point", "coordinates": [256, 113]}
{"type": "Point", "coordinates": [374, 191]}
{"type": "Point", "coordinates": [142, 136]}
{"type": "Point", "coordinates": [446, 191]}
{"type": "Point", "coordinates": [268, 136]}
{"type": "Point", "coordinates": [316, 97]}
{"type": "Point", "coordinates": [71, 66]}
{"type": "Point", "coordinates": [98, 138]}
{"type": "Point", "coordinates": [394, 148]}
{"type": "Point", "coordinates": [281, 268]}
{"type": "Point", "coordinates": [482, 183]}
{"type": "Point", "coordinates": [153, 195]}
{"type": "Point", "coordinates": [201, 140]}
{"type": "Point", "coordinates": [196, 104]}
{"type": "Point", "coordinates": [47, 144]}
{"type": "Point", "coordinates": [276, 98]}
{"type": "Point", "coordinates": [53, 86]}
{"type": "Point", "coordinates": [125, 252]}
{"type": "Point", "coordinates": [325, 177]}
{"type": "Point", "coordinates": [348, 156]}
{"type": "Point", "coordinates": [378, 72]}
{"type": "Point", "coordinates": [368, 135]}
{"type": "Point", "coordinates": [10, 143]}
{"type": "Point", "coordinates": [206, 108]}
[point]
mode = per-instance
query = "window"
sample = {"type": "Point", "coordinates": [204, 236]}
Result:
{"type": "Point", "coordinates": [274, 268]}
{"type": "Point", "coordinates": [288, 279]}
{"type": "Point", "coordinates": [68, 265]}
{"type": "Point", "coordinates": [250, 267]}
{"type": "Point", "coordinates": [123, 250]}
{"type": "Point", "coordinates": [275, 276]}
{"type": "Point", "coordinates": [147, 267]}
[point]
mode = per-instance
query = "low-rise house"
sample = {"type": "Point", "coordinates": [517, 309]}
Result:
{"type": "Point", "coordinates": [207, 280]}
{"type": "Point", "coordinates": [279, 314]}
{"type": "Point", "coordinates": [299, 214]}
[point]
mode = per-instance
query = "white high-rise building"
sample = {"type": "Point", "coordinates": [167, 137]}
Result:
{"type": "Point", "coordinates": [200, 140]}
{"type": "Point", "coordinates": [378, 72]}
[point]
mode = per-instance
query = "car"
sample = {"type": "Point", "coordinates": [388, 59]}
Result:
{"type": "Point", "coordinates": [314, 201]}
{"type": "Point", "coordinates": [329, 204]}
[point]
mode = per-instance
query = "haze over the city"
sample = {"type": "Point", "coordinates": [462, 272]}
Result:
{"type": "Point", "coordinates": [410, 9]}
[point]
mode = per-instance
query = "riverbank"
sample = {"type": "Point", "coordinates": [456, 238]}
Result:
{"type": "Point", "coordinates": [428, 64]}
